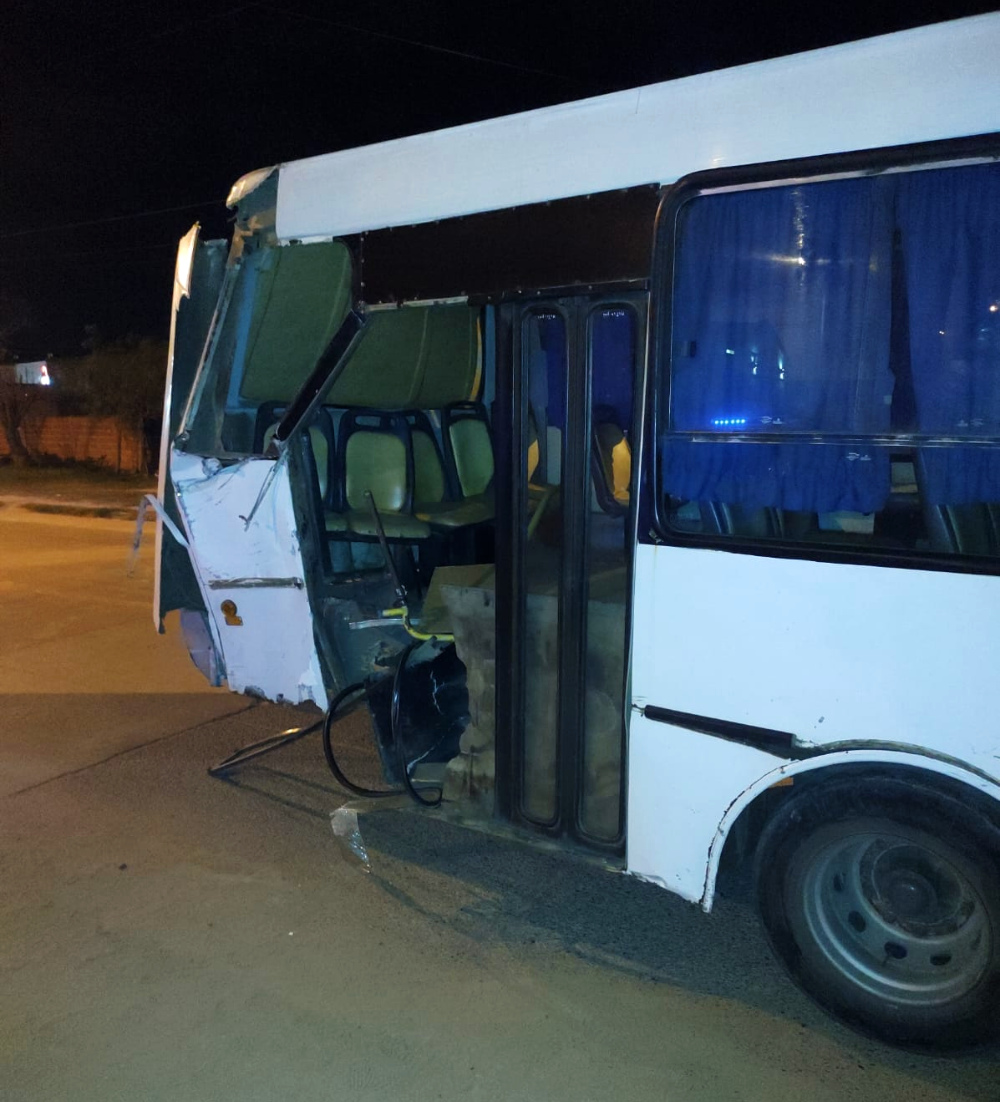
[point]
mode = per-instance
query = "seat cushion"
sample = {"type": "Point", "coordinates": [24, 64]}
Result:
{"type": "Point", "coordinates": [456, 514]}
{"type": "Point", "coordinates": [398, 526]}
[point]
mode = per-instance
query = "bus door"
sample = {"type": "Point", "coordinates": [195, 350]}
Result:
{"type": "Point", "coordinates": [566, 410]}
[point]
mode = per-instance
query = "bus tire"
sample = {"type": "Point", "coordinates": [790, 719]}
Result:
{"type": "Point", "coordinates": [882, 898]}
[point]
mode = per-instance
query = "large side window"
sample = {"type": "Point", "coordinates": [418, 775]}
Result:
{"type": "Point", "coordinates": [834, 363]}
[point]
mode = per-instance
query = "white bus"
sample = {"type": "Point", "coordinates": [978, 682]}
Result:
{"type": "Point", "coordinates": [640, 457]}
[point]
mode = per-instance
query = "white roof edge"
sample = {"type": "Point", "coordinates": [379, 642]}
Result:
{"type": "Point", "coordinates": [924, 84]}
{"type": "Point", "coordinates": [247, 184]}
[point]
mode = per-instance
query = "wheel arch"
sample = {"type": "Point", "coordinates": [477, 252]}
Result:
{"type": "Point", "coordinates": [948, 777]}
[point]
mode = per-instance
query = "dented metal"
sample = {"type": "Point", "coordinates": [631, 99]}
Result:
{"type": "Point", "coordinates": [258, 566]}
{"type": "Point", "coordinates": [256, 583]}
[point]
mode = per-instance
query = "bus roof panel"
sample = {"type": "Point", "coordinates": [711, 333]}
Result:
{"type": "Point", "coordinates": [933, 82]}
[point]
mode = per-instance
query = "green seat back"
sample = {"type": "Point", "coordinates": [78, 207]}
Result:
{"type": "Point", "coordinates": [473, 452]}
{"type": "Point", "coordinates": [428, 474]}
{"type": "Point", "coordinates": [375, 461]}
{"type": "Point", "coordinates": [321, 452]}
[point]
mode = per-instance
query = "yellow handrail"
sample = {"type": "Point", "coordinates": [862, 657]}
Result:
{"type": "Point", "coordinates": [403, 613]}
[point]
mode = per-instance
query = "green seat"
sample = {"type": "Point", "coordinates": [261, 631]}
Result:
{"type": "Point", "coordinates": [456, 514]}
{"type": "Point", "coordinates": [397, 526]}
{"type": "Point", "coordinates": [375, 457]}
{"type": "Point", "coordinates": [469, 448]}
{"type": "Point", "coordinates": [321, 440]}
{"type": "Point", "coordinates": [428, 472]}
{"type": "Point", "coordinates": [472, 449]}
{"type": "Point", "coordinates": [431, 499]}
{"type": "Point", "coordinates": [322, 453]}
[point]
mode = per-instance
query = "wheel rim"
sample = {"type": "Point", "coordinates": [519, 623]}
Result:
{"type": "Point", "coordinates": [894, 914]}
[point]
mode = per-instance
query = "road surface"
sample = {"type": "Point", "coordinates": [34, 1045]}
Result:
{"type": "Point", "coordinates": [167, 936]}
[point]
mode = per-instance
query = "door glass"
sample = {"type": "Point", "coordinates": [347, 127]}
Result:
{"type": "Point", "coordinates": [611, 340]}
{"type": "Point", "coordinates": [545, 370]}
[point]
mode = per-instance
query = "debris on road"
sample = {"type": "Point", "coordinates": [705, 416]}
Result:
{"type": "Point", "coordinates": [344, 821]}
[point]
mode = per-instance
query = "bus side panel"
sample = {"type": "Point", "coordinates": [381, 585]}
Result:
{"type": "Point", "coordinates": [680, 785]}
{"type": "Point", "coordinates": [686, 791]}
{"type": "Point", "coordinates": [251, 574]}
{"type": "Point", "coordinates": [897, 663]}
{"type": "Point", "coordinates": [828, 653]}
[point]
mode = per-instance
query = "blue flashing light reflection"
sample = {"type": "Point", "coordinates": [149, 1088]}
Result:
{"type": "Point", "coordinates": [728, 422]}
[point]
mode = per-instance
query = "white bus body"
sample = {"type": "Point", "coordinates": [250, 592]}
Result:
{"type": "Point", "coordinates": [750, 664]}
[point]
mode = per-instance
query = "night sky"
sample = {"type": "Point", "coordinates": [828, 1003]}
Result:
{"type": "Point", "coordinates": [123, 122]}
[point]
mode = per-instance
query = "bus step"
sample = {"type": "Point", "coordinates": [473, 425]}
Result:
{"type": "Point", "coordinates": [429, 772]}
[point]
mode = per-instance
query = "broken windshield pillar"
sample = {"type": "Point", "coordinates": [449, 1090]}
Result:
{"type": "Point", "coordinates": [329, 365]}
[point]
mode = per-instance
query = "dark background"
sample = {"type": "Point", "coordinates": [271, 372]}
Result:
{"type": "Point", "coordinates": [123, 122]}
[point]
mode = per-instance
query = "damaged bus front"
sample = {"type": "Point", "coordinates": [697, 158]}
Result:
{"type": "Point", "coordinates": [324, 465]}
{"type": "Point", "coordinates": [240, 562]}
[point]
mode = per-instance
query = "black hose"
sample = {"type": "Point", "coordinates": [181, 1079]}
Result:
{"type": "Point", "coordinates": [397, 740]}
{"type": "Point", "coordinates": [266, 746]}
{"type": "Point", "coordinates": [331, 761]}
{"type": "Point", "coordinates": [397, 734]}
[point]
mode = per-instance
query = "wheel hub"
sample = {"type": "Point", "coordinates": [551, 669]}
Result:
{"type": "Point", "coordinates": [895, 914]}
{"type": "Point", "coordinates": [913, 889]}
{"type": "Point", "coordinates": [910, 896]}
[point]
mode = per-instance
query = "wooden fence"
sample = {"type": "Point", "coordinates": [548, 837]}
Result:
{"type": "Point", "coordinates": [99, 439]}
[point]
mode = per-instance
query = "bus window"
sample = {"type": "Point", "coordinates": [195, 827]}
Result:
{"type": "Point", "coordinates": [545, 364]}
{"type": "Point", "coordinates": [832, 364]}
{"type": "Point", "coordinates": [611, 345]}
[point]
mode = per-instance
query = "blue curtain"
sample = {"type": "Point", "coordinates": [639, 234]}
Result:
{"type": "Point", "coordinates": [781, 322]}
{"type": "Point", "coordinates": [949, 224]}
{"type": "Point", "coordinates": [808, 478]}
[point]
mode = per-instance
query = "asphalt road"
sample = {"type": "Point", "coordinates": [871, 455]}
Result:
{"type": "Point", "coordinates": [164, 935]}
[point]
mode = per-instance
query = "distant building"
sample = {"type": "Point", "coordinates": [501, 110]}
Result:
{"type": "Point", "coordinates": [28, 373]}
{"type": "Point", "coordinates": [35, 372]}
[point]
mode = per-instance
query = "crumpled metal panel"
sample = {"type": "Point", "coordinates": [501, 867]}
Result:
{"type": "Point", "coordinates": [197, 279]}
{"type": "Point", "coordinates": [247, 184]}
{"type": "Point", "coordinates": [263, 631]}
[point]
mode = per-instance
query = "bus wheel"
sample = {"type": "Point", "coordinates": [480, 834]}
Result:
{"type": "Point", "coordinates": [883, 900]}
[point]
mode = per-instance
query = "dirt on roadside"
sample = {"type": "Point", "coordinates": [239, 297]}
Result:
{"type": "Point", "coordinates": [75, 490]}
